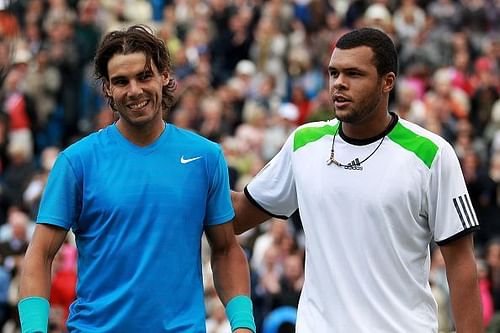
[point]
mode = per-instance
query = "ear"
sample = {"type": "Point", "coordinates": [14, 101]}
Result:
{"type": "Point", "coordinates": [165, 77]}
{"type": "Point", "coordinates": [107, 89]}
{"type": "Point", "coordinates": [389, 82]}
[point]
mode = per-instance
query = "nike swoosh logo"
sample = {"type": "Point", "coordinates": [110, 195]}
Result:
{"type": "Point", "coordinates": [187, 160]}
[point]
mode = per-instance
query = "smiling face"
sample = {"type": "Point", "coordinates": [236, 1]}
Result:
{"type": "Point", "coordinates": [359, 93]}
{"type": "Point", "coordinates": [136, 91]}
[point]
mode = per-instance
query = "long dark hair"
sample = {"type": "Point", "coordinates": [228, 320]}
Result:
{"type": "Point", "coordinates": [137, 38]}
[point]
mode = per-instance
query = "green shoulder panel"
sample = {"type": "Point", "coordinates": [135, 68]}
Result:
{"type": "Point", "coordinates": [306, 135]}
{"type": "Point", "coordinates": [423, 147]}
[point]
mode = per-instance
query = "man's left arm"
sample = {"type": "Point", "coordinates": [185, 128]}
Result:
{"type": "Point", "coordinates": [231, 276]}
{"type": "Point", "coordinates": [461, 272]}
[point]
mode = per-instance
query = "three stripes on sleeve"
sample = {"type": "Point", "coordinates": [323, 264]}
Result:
{"type": "Point", "coordinates": [465, 211]}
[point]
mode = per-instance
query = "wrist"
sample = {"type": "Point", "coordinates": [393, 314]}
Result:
{"type": "Point", "coordinates": [34, 314]}
{"type": "Point", "coordinates": [239, 312]}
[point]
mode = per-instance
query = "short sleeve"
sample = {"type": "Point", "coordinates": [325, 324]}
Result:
{"type": "Point", "coordinates": [61, 200]}
{"type": "Point", "coordinates": [273, 189]}
{"type": "Point", "coordinates": [219, 208]}
{"type": "Point", "coordinates": [451, 214]}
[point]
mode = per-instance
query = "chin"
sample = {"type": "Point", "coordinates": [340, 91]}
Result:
{"type": "Point", "coordinates": [137, 121]}
{"type": "Point", "coordinates": [344, 115]}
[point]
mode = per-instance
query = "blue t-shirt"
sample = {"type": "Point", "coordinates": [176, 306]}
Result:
{"type": "Point", "coordinates": [138, 214]}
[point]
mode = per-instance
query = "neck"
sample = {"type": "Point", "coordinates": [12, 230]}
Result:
{"type": "Point", "coordinates": [141, 135]}
{"type": "Point", "coordinates": [368, 129]}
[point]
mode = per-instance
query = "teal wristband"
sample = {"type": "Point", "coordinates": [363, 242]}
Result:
{"type": "Point", "coordinates": [239, 312]}
{"type": "Point", "coordinates": [34, 314]}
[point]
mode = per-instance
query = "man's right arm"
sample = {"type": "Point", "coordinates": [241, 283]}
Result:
{"type": "Point", "coordinates": [36, 273]}
{"type": "Point", "coordinates": [34, 289]}
{"type": "Point", "coordinates": [247, 215]}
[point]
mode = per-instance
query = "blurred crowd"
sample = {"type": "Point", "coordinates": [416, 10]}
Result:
{"type": "Point", "coordinates": [248, 72]}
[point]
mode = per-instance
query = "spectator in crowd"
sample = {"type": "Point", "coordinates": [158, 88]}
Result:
{"type": "Point", "coordinates": [276, 231]}
{"type": "Point", "coordinates": [440, 290]}
{"type": "Point", "coordinates": [43, 83]}
{"type": "Point", "coordinates": [485, 93]}
{"type": "Point", "coordinates": [12, 251]}
{"type": "Point", "coordinates": [34, 190]}
{"type": "Point", "coordinates": [492, 257]}
{"type": "Point", "coordinates": [217, 321]}
{"type": "Point", "coordinates": [16, 103]}
{"type": "Point", "coordinates": [65, 56]}
{"type": "Point", "coordinates": [282, 124]}
{"type": "Point", "coordinates": [17, 220]}
{"type": "Point", "coordinates": [62, 288]}
{"type": "Point", "coordinates": [290, 282]}
{"type": "Point", "coordinates": [485, 290]}
{"type": "Point", "coordinates": [21, 168]}
{"type": "Point", "coordinates": [5, 309]}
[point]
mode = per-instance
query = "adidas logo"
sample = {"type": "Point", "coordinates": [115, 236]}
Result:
{"type": "Point", "coordinates": [354, 165]}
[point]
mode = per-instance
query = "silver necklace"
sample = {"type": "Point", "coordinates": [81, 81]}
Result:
{"type": "Point", "coordinates": [355, 164]}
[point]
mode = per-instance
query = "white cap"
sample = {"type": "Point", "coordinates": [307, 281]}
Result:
{"type": "Point", "coordinates": [289, 111]}
{"type": "Point", "coordinates": [378, 11]}
{"type": "Point", "coordinates": [21, 56]}
{"type": "Point", "coordinates": [245, 67]}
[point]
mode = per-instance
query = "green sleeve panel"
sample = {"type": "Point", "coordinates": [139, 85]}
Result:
{"type": "Point", "coordinates": [422, 147]}
{"type": "Point", "coordinates": [306, 135]}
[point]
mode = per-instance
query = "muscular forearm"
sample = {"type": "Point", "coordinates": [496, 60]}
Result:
{"type": "Point", "coordinates": [231, 277]}
{"type": "Point", "coordinates": [466, 303]}
{"type": "Point", "coordinates": [36, 272]}
{"type": "Point", "coordinates": [230, 273]}
{"type": "Point", "coordinates": [462, 279]}
{"type": "Point", "coordinates": [35, 276]}
{"type": "Point", "coordinates": [34, 289]}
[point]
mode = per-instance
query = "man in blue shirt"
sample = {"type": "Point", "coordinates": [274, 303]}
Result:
{"type": "Point", "coordinates": [138, 195]}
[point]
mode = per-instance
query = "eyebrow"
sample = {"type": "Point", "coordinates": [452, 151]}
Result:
{"type": "Point", "coordinates": [138, 74]}
{"type": "Point", "coordinates": [358, 69]}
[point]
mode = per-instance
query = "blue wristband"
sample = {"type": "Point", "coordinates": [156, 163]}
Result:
{"type": "Point", "coordinates": [34, 314]}
{"type": "Point", "coordinates": [239, 312]}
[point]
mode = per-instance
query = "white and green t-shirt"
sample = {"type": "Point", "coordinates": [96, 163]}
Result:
{"type": "Point", "coordinates": [367, 227]}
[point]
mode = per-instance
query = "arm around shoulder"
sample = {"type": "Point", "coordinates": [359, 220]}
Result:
{"type": "Point", "coordinates": [247, 215]}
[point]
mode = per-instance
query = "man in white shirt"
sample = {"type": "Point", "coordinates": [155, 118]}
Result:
{"type": "Point", "coordinates": [373, 191]}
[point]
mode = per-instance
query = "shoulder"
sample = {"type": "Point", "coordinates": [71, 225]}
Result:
{"type": "Point", "coordinates": [87, 143]}
{"type": "Point", "coordinates": [190, 138]}
{"type": "Point", "coordinates": [423, 143]}
{"type": "Point", "coordinates": [317, 125]}
{"type": "Point", "coordinates": [407, 128]}
{"type": "Point", "coordinates": [311, 132]}
{"type": "Point", "coordinates": [188, 144]}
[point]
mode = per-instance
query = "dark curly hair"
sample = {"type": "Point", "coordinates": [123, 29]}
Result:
{"type": "Point", "coordinates": [137, 38]}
